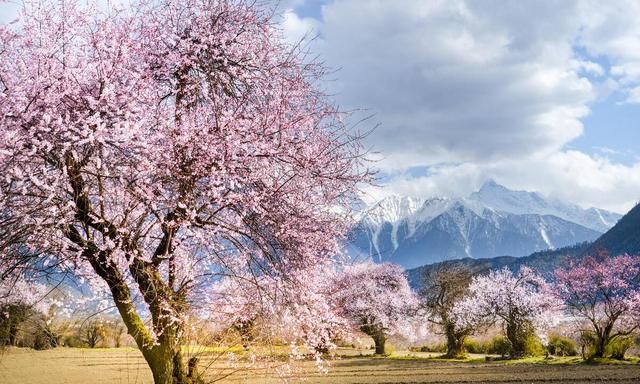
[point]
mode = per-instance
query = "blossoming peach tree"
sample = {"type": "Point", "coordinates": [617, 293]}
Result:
{"type": "Point", "coordinates": [444, 304]}
{"type": "Point", "coordinates": [522, 303]}
{"type": "Point", "coordinates": [257, 311]}
{"type": "Point", "coordinates": [149, 150]}
{"type": "Point", "coordinates": [377, 299]}
{"type": "Point", "coordinates": [603, 291]}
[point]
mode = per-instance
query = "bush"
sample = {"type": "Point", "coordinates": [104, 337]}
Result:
{"type": "Point", "coordinates": [501, 346]}
{"type": "Point", "coordinates": [73, 341]}
{"type": "Point", "coordinates": [534, 347]}
{"type": "Point", "coordinates": [439, 348]}
{"type": "Point", "coordinates": [12, 319]}
{"type": "Point", "coordinates": [389, 349]}
{"type": "Point", "coordinates": [619, 346]}
{"type": "Point", "coordinates": [587, 345]}
{"type": "Point", "coordinates": [561, 346]}
{"type": "Point", "coordinates": [43, 341]}
{"type": "Point", "coordinates": [474, 346]}
{"type": "Point", "coordinates": [498, 345]}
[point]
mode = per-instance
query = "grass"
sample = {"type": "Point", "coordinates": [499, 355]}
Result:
{"type": "Point", "coordinates": [438, 358]}
{"type": "Point", "coordinates": [553, 360]}
{"type": "Point", "coordinates": [126, 366]}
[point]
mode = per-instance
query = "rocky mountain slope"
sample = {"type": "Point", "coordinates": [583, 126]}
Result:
{"type": "Point", "coordinates": [491, 222]}
{"type": "Point", "coordinates": [624, 237]}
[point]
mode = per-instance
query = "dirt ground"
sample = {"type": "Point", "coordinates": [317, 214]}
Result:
{"type": "Point", "coordinates": [126, 366]}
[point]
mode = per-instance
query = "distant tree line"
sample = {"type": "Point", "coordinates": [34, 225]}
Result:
{"type": "Point", "coordinates": [23, 326]}
{"type": "Point", "coordinates": [597, 296]}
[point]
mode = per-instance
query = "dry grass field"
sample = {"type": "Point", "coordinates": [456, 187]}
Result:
{"type": "Point", "coordinates": [126, 366]}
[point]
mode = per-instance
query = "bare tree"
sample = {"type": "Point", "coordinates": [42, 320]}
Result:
{"type": "Point", "coordinates": [444, 287]}
{"type": "Point", "coordinates": [93, 333]}
{"type": "Point", "coordinates": [117, 331]}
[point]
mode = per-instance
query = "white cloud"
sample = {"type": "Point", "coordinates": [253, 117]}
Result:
{"type": "Point", "coordinates": [489, 88]}
{"type": "Point", "coordinates": [450, 82]}
{"type": "Point", "coordinates": [568, 175]}
{"type": "Point", "coordinates": [296, 29]}
{"type": "Point", "coordinates": [633, 96]}
{"type": "Point", "coordinates": [611, 29]}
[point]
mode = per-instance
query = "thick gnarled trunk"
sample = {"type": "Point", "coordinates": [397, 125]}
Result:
{"type": "Point", "coordinates": [380, 340]}
{"type": "Point", "coordinates": [455, 345]}
{"type": "Point", "coordinates": [377, 334]}
{"type": "Point", "coordinates": [164, 355]}
{"type": "Point", "coordinates": [602, 340]}
{"type": "Point", "coordinates": [168, 367]}
{"type": "Point", "coordinates": [517, 335]}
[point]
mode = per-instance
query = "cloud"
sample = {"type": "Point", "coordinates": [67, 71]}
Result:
{"type": "Point", "coordinates": [567, 175]}
{"type": "Point", "coordinates": [450, 81]}
{"type": "Point", "coordinates": [297, 29]}
{"type": "Point", "coordinates": [479, 89]}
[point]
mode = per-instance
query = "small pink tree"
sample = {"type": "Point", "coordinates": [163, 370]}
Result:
{"type": "Point", "coordinates": [522, 303]}
{"type": "Point", "coordinates": [604, 291]}
{"type": "Point", "coordinates": [377, 299]}
{"type": "Point", "coordinates": [151, 150]}
{"type": "Point", "coordinates": [264, 308]}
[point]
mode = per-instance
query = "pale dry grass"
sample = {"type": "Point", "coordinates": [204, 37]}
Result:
{"type": "Point", "coordinates": [126, 366]}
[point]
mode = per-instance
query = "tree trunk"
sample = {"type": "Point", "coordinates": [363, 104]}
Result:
{"type": "Point", "coordinates": [455, 346]}
{"type": "Point", "coordinates": [13, 332]}
{"type": "Point", "coordinates": [601, 345]}
{"type": "Point", "coordinates": [167, 366]}
{"type": "Point", "coordinates": [161, 368]}
{"type": "Point", "coordinates": [163, 354]}
{"type": "Point", "coordinates": [379, 339]}
{"type": "Point", "coordinates": [517, 336]}
{"type": "Point", "coordinates": [377, 334]}
{"type": "Point", "coordinates": [194, 374]}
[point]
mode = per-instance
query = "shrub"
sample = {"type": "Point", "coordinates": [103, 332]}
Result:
{"type": "Point", "coordinates": [389, 349]}
{"type": "Point", "coordinates": [473, 346]}
{"type": "Point", "coordinates": [440, 348]}
{"type": "Point", "coordinates": [12, 318]}
{"type": "Point", "coordinates": [619, 346]}
{"type": "Point", "coordinates": [587, 345]}
{"type": "Point", "coordinates": [501, 346]}
{"type": "Point", "coordinates": [480, 347]}
{"type": "Point", "coordinates": [43, 341]}
{"type": "Point", "coordinates": [498, 345]}
{"type": "Point", "coordinates": [533, 347]}
{"type": "Point", "coordinates": [73, 341]}
{"type": "Point", "coordinates": [561, 346]}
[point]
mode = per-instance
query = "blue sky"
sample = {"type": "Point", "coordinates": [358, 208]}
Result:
{"type": "Point", "coordinates": [612, 125]}
{"type": "Point", "coordinates": [537, 95]}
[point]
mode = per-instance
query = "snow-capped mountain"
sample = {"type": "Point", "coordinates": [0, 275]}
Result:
{"type": "Point", "coordinates": [494, 221]}
{"type": "Point", "coordinates": [499, 198]}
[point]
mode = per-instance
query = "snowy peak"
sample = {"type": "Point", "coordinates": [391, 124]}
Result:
{"type": "Point", "coordinates": [493, 221]}
{"type": "Point", "coordinates": [500, 198]}
{"type": "Point", "coordinates": [392, 209]}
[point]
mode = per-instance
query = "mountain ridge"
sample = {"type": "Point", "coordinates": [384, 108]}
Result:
{"type": "Point", "coordinates": [624, 237]}
{"type": "Point", "coordinates": [490, 222]}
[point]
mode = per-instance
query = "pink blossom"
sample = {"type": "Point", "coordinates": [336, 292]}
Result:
{"type": "Point", "coordinates": [151, 150]}
{"type": "Point", "coordinates": [605, 292]}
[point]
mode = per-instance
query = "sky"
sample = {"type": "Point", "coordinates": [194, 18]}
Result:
{"type": "Point", "coordinates": [536, 95]}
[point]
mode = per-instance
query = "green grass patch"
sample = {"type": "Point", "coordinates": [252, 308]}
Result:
{"type": "Point", "coordinates": [566, 360]}
{"type": "Point", "coordinates": [438, 358]}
